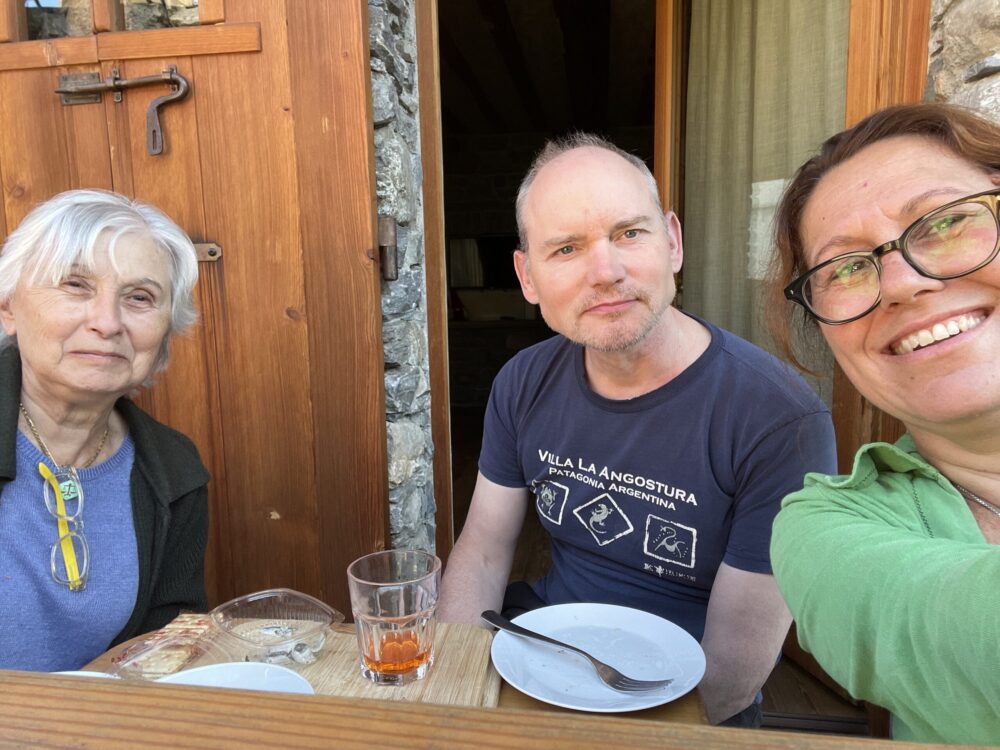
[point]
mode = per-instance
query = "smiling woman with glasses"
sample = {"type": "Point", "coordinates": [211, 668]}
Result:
{"type": "Point", "coordinates": [103, 518]}
{"type": "Point", "coordinates": [952, 241]}
{"type": "Point", "coordinates": [887, 240]}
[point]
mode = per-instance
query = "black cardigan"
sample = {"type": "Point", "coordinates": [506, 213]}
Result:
{"type": "Point", "coordinates": [169, 506]}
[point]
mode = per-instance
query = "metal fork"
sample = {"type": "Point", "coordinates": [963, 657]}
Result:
{"type": "Point", "coordinates": [611, 676]}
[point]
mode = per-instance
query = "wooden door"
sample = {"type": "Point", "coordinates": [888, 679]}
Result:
{"type": "Point", "coordinates": [271, 158]}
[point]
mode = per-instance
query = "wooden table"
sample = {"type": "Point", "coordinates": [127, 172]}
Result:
{"type": "Point", "coordinates": [337, 675]}
{"type": "Point", "coordinates": [52, 711]}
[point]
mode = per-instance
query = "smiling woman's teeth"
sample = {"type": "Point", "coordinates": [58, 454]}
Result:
{"type": "Point", "coordinates": [939, 332]}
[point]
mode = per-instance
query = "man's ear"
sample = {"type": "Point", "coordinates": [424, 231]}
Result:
{"type": "Point", "coordinates": [673, 226]}
{"type": "Point", "coordinates": [524, 276]}
{"type": "Point", "coordinates": [7, 318]}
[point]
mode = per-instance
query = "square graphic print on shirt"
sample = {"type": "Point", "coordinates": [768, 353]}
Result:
{"type": "Point", "coordinates": [605, 521]}
{"type": "Point", "coordinates": [670, 541]}
{"type": "Point", "coordinates": [550, 499]}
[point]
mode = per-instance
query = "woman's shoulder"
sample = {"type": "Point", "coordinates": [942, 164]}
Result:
{"type": "Point", "coordinates": [888, 482]}
{"type": "Point", "coordinates": [163, 448]}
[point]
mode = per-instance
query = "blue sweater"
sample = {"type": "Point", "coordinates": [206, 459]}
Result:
{"type": "Point", "coordinates": [50, 627]}
{"type": "Point", "coordinates": [168, 491]}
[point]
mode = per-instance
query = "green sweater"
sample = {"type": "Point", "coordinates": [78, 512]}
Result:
{"type": "Point", "coordinates": [169, 506]}
{"type": "Point", "coordinates": [896, 593]}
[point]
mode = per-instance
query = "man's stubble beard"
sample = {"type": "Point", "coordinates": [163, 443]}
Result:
{"type": "Point", "coordinates": [616, 341]}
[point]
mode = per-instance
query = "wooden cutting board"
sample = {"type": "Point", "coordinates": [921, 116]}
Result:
{"type": "Point", "coordinates": [462, 673]}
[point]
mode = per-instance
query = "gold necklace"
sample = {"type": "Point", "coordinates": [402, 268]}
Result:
{"type": "Point", "coordinates": [45, 449]}
{"type": "Point", "coordinates": [970, 495]}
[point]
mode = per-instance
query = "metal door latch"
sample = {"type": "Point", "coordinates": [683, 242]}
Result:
{"type": "Point", "coordinates": [87, 88]}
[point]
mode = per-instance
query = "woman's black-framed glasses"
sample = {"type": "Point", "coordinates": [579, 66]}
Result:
{"type": "Point", "coordinates": [951, 241]}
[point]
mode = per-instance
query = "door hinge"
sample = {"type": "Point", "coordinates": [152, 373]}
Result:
{"type": "Point", "coordinates": [208, 252]}
{"type": "Point", "coordinates": [388, 255]}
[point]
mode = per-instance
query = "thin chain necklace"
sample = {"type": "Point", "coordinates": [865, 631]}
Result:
{"type": "Point", "coordinates": [45, 449]}
{"type": "Point", "coordinates": [970, 495]}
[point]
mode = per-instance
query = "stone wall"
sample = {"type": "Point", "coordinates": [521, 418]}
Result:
{"type": "Point", "coordinates": [398, 176]}
{"type": "Point", "coordinates": [964, 62]}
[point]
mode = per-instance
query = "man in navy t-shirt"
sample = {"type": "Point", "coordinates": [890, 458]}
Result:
{"type": "Point", "coordinates": [655, 447]}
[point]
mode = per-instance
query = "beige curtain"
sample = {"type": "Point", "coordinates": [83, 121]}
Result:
{"type": "Point", "coordinates": [766, 85]}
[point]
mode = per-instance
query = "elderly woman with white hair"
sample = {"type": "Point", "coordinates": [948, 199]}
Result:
{"type": "Point", "coordinates": [103, 512]}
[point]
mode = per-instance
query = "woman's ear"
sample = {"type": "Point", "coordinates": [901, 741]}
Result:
{"type": "Point", "coordinates": [7, 318]}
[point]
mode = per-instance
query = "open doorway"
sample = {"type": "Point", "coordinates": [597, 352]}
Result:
{"type": "Point", "coordinates": [514, 74]}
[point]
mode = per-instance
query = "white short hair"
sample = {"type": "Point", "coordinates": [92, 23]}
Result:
{"type": "Point", "coordinates": [65, 230]}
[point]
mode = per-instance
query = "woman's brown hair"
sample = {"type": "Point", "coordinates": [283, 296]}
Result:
{"type": "Point", "coordinates": [965, 133]}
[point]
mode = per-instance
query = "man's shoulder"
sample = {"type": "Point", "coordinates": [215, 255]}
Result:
{"type": "Point", "coordinates": [760, 372]}
{"type": "Point", "coordinates": [538, 358]}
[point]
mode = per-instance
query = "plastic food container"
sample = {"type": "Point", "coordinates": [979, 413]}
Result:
{"type": "Point", "coordinates": [276, 626]}
{"type": "Point", "coordinates": [153, 659]}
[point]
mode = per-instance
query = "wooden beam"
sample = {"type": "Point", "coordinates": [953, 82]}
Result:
{"type": "Point", "coordinates": [211, 11]}
{"type": "Point", "coordinates": [886, 65]}
{"type": "Point", "coordinates": [886, 54]}
{"type": "Point", "coordinates": [49, 53]}
{"type": "Point", "coordinates": [429, 94]}
{"type": "Point", "coordinates": [108, 15]}
{"type": "Point", "coordinates": [13, 21]}
{"type": "Point", "coordinates": [179, 42]}
{"type": "Point", "coordinates": [668, 104]}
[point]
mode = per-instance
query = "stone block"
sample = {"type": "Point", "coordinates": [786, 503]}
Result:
{"type": "Point", "coordinates": [406, 446]}
{"type": "Point", "coordinates": [988, 66]}
{"type": "Point", "coordinates": [983, 96]}
{"type": "Point", "coordinates": [410, 519]}
{"type": "Point", "coordinates": [384, 98]}
{"type": "Point", "coordinates": [399, 8]}
{"type": "Point", "coordinates": [404, 342]}
{"type": "Point", "coordinates": [403, 296]}
{"type": "Point", "coordinates": [380, 38]}
{"type": "Point", "coordinates": [970, 32]}
{"type": "Point", "coordinates": [409, 102]}
{"type": "Point", "coordinates": [407, 390]}
{"type": "Point", "coordinates": [393, 177]}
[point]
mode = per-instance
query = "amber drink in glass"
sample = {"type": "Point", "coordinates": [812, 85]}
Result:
{"type": "Point", "coordinates": [393, 597]}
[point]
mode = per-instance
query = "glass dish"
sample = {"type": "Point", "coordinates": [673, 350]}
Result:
{"type": "Point", "coordinates": [276, 626]}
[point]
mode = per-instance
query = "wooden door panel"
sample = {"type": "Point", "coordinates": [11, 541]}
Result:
{"type": "Point", "coordinates": [271, 157]}
{"type": "Point", "coordinates": [341, 276]}
{"type": "Point", "coordinates": [35, 161]}
{"type": "Point", "coordinates": [87, 145]}
{"type": "Point", "coordinates": [187, 397]}
{"type": "Point", "coordinates": [251, 209]}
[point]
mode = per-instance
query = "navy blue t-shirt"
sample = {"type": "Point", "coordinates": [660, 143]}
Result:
{"type": "Point", "coordinates": [644, 498]}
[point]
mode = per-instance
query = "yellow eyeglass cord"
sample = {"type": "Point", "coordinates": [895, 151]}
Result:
{"type": "Point", "coordinates": [65, 542]}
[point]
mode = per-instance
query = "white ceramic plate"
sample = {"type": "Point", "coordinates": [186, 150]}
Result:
{"type": "Point", "coordinates": [89, 674]}
{"type": "Point", "coordinates": [243, 675]}
{"type": "Point", "coordinates": [639, 644]}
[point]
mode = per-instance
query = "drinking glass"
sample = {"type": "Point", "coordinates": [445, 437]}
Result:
{"type": "Point", "coordinates": [393, 597]}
